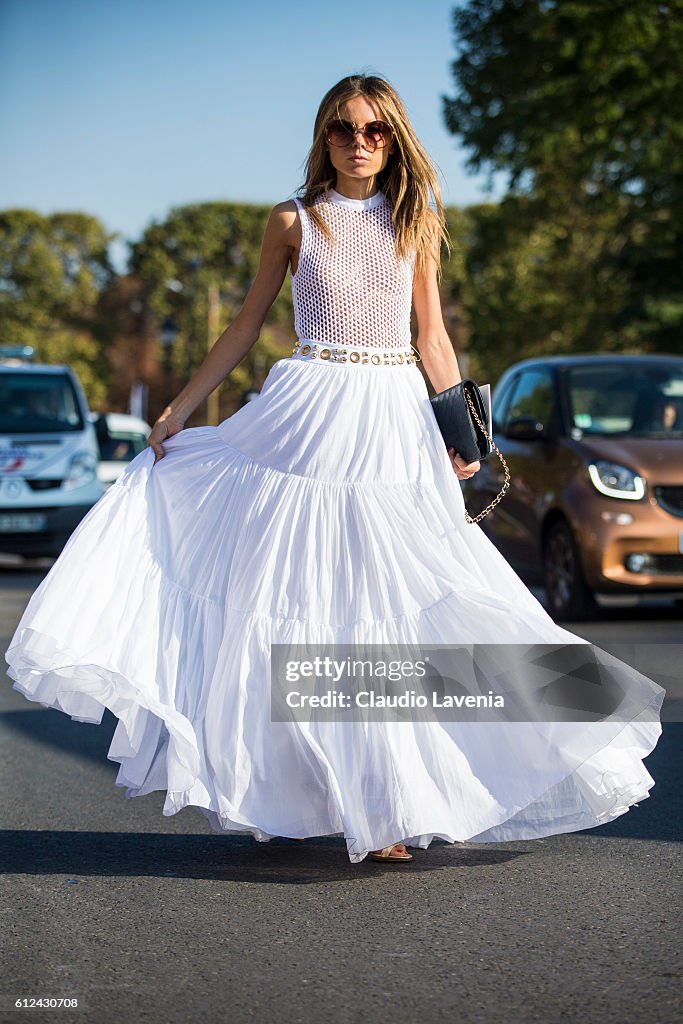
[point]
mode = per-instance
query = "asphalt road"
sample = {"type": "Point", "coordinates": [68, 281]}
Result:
{"type": "Point", "coordinates": [146, 918]}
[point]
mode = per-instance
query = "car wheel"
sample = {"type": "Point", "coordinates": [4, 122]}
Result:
{"type": "Point", "coordinates": [568, 594]}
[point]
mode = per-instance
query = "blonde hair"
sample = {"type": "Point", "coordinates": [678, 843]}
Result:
{"type": "Point", "coordinates": [407, 179]}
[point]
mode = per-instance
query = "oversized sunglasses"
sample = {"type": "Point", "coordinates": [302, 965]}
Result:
{"type": "Point", "coordinates": [376, 134]}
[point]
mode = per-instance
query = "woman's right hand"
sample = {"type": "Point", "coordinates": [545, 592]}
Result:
{"type": "Point", "coordinates": [165, 427]}
{"type": "Point", "coordinates": [463, 470]}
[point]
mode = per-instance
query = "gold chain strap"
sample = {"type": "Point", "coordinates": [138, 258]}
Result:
{"type": "Point", "coordinates": [493, 444]}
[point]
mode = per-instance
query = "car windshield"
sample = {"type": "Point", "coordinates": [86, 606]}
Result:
{"type": "Point", "coordinates": [35, 403]}
{"type": "Point", "coordinates": [622, 399]}
{"type": "Point", "coordinates": [121, 446]}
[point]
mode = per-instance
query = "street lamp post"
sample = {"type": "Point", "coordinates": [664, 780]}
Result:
{"type": "Point", "coordinates": [212, 402]}
{"type": "Point", "coordinates": [138, 396]}
{"type": "Point", "coordinates": [169, 333]}
{"type": "Point", "coordinates": [194, 265]}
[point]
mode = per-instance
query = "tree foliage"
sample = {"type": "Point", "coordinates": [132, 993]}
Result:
{"type": "Point", "coordinates": [53, 270]}
{"type": "Point", "coordinates": [196, 246]}
{"type": "Point", "coordinates": [581, 103]}
{"type": "Point", "coordinates": [59, 294]}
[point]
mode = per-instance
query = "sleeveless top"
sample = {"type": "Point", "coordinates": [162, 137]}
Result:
{"type": "Point", "coordinates": [353, 290]}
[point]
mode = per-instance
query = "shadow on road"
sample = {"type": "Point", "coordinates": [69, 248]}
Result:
{"type": "Point", "coordinates": [243, 859]}
{"type": "Point", "coordinates": [228, 858]}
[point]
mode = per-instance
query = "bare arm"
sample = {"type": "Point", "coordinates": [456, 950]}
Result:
{"type": "Point", "coordinates": [279, 241]}
{"type": "Point", "coordinates": [436, 348]}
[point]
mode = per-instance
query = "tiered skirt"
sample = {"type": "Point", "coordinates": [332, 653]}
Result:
{"type": "Point", "coordinates": [325, 511]}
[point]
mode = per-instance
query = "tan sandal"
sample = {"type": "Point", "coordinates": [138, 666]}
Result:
{"type": "Point", "coordinates": [396, 853]}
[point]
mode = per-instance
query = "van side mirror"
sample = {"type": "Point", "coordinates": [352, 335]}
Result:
{"type": "Point", "coordinates": [525, 428]}
{"type": "Point", "coordinates": [101, 430]}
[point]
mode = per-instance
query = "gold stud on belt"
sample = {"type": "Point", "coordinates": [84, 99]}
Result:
{"type": "Point", "coordinates": [364, 357]}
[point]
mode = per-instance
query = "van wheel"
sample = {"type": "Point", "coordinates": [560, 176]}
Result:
{"type": "Point", "coordinates": [568, 594]}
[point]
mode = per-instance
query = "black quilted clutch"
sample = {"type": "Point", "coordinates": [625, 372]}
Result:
{"type": "Point", "coordinates": [459, 428]}
{"type": "Point", "coordinates": [460, 413]}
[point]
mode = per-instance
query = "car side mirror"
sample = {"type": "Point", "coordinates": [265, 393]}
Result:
{"type": "Point", "coordinates": [525, 428]}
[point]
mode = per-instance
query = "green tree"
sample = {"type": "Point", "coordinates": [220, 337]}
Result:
{"type": "Point", "coordinates": [580, 102]}
{"type": "Point", "coordinates": [203, 244]}
{"type": "Point", "coordinates": [53, 271]}
{"type": "Point", "coordinates": [535, 285]}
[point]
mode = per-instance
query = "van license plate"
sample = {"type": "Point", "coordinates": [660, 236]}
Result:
{"type": "Point", "coordinates": [21, 524]}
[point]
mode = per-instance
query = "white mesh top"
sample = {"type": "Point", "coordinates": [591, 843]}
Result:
{"type": "Point", "coordinates": [352, 291]}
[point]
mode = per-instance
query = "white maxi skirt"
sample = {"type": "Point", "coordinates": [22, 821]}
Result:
{"type": "Point", "coordinates": [324, 511]}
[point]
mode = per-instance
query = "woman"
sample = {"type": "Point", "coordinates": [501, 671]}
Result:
{"type": "Point", "coordinates": [325, 512]}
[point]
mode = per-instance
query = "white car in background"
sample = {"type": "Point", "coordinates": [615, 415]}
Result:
{"type": "Point", "coordinates": [120, 438]}
{"type": "Point", "coordinates": [48, 455]}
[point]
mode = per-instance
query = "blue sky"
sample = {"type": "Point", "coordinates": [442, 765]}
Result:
{"type": "Point", "coordinates": [124, 108]}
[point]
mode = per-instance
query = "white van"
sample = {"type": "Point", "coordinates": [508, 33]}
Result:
{"type": "Point", "coordinates": [48, 455]}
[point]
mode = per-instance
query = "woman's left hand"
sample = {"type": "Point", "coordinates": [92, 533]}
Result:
{"type": "Point", "coordinates": [463, 470]}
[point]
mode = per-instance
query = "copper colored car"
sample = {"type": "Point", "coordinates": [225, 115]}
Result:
{"type": "Point", "coordinates": [594, 445]}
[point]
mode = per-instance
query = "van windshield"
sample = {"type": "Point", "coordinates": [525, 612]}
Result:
{"type": "Point", "coordinates": [620, 399]}
{"type": "Point", "coordinates": [35, 403]}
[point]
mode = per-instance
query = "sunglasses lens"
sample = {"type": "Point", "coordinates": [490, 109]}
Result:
{"type": "Point", "coordinates": [375, 134]}
{"type": "Point", "coordinates": [338, 134]}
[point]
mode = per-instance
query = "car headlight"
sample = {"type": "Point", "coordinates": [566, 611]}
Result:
{"type": "Point", "coordinates": [616, 481]}
{"type": "Point", "coordinates": [82, 470]}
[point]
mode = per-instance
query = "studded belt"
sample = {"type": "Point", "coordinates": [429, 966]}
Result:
{"type": "Point", "coordinates": [355, 356]}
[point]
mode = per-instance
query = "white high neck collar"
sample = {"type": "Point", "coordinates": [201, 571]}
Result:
{"type": "Point", "coordinates": [355, 204]}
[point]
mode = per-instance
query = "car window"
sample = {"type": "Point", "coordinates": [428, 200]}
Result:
{"type": "Point", "coordinates": [532, 396]}
{"type": "Point", "coordinates": [611, 399]}
{"type": "Point", "coordinates": [33, 403]}
{"type": "Point", "coordinates": [500, 398]}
